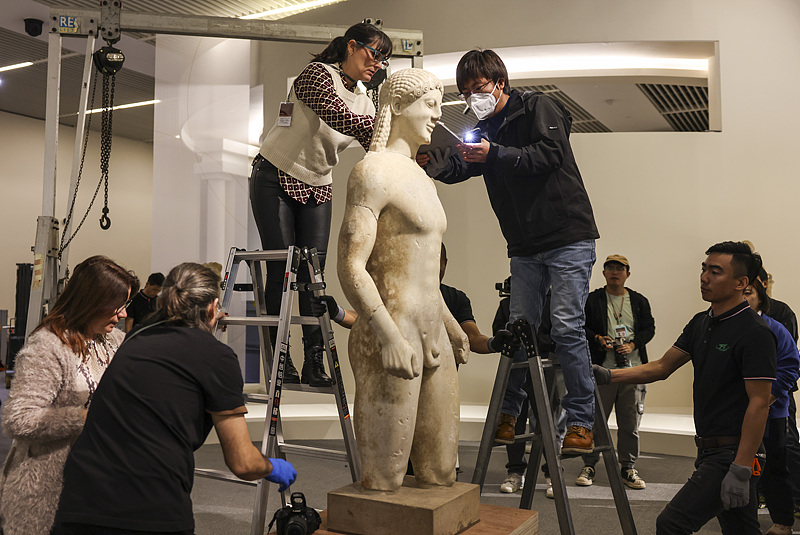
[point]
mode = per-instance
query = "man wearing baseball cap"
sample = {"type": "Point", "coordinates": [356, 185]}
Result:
{"type": "Point", "coordinates": [619, 324]}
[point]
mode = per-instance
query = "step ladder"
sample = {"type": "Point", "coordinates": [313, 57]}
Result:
{"type": "Point", "coordinates": [544, 436]}
{"type": "Point", "coordinates": [273, 443]}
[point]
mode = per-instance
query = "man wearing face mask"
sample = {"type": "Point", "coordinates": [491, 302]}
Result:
{"type": "Point", "coordinates": [536, 191]}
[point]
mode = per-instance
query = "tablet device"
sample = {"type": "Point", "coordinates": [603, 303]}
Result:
{"type": "Point", "coordinates": [441, 138]}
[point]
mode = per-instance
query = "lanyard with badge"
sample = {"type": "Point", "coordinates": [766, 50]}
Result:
{"type": "Point", "coordinates": [285, 110]}
{"type": "Point", "coordinates": [621, 331]}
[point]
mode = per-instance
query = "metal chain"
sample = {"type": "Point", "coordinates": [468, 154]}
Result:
{"type": "Point", "coordinates": [109, 83]}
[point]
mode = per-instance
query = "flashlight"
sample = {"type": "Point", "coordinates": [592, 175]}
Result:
{"type": "Point", "coordinates": [472, 136]}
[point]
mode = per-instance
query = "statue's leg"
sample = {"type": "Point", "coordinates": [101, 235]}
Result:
{"type": "Point", "coordinates": [435, 447]}
{"type": "Point", "coordinates": [384, 415]}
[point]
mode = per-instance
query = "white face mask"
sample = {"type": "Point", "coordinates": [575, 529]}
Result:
{"type": "Point", "coordinates": [483, 104]}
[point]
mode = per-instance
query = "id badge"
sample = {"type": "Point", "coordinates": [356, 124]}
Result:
{"type": "Point", "coordinates": [285, 114]}
{"type": "Point", "coordinates": [621, 332]}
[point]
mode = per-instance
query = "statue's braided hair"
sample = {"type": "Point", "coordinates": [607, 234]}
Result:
{"type": "Point", "coordinates": [409, 85]}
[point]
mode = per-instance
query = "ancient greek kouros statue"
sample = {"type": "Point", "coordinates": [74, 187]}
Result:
{"type": "Point", "coordinates": [404, 346]}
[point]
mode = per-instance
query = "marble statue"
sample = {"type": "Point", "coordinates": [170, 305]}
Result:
{"type": "Point", "coordinates": [404, 345]}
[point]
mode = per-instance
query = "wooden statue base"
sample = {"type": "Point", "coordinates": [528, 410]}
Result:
{"type": "Point", "coordinates": [412, 509]}
{"type": "Point", "coordinates": [495, 520]}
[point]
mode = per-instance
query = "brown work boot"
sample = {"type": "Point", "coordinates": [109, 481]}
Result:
{"type": "Point", "coordinates": [577, 441]}
{"type": "Point", "coordinates": [505, 429]}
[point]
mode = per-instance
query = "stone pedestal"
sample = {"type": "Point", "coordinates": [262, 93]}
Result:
{"type": "Point", "coordinates": [412, 509]}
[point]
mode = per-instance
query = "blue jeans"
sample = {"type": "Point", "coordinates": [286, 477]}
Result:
{"type": "Point", "coordinates": [567, 270]}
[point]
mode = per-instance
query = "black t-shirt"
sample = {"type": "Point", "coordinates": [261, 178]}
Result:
{"type": "Point", "coordinates": [726, 350]}
{"type": "Point", "coordinates": [140, 307]}
{"type": "Point", "coordinates": [783, 314]}
{"type": "Point", "coordinates": [458, 303]}
{"type": "Point", "coordinates": [132, 467]}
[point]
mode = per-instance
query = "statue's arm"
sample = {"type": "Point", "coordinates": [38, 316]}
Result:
{"type": "Point", "coordinates": [356, 242]}
{"type": "Point", "coordinates": [458, 338]}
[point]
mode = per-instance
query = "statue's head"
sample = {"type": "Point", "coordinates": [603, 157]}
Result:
{"type": "Point", "coordinates": [411, 100]}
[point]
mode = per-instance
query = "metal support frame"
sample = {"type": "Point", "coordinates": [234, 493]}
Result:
{"type": "Point", "coordinates": [545, 436]}
{"type": "Point", "coordinates": [109, 22]}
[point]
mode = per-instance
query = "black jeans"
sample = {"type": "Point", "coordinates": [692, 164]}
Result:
{"type": "Point", "coordinates": [283, 221]}
{"type": "Point", "coordinates": [775, 477]}
{"type": "Point", "coordinates": [699, 501]}
{"type": "Point", "coordinates": [793, 451]}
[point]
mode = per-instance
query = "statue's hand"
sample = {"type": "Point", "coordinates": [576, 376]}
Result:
{"type": "Point", "coordinates": [430, 353]}
{"type": "Point", "coordinates": [400, 359]}
{"type": "Point", "coordinates": [460, 343]}
{"type": "Point", "coordinates": [458, 339]}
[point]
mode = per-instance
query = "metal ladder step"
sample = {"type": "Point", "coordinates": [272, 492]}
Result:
{"type": "Point", "coordinates": [267, 321]}
{"type": "Point", "coordinates": [310, 451]}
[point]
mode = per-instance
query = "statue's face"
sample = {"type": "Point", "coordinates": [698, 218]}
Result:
{"type": "Point", "coordinates": [418, 119]}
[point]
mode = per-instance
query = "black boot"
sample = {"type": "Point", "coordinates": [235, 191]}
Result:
{"type": "Point", "coordinates": [313, 369]}
{"type": "Point", "coordinates": [290, 375]}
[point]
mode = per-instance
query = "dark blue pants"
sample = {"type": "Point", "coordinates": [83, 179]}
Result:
{"type": "Point", "coordinates": [775, 477]}
{"type": "Point", "coordinates": [699, 501]}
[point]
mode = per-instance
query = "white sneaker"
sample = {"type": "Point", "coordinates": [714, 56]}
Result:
{"type": "Point", "coordinates": [586, 477]}
{"type": "Point", "coordinates": [630, 476]}
{"type": "Point", "coordinates": [512, 483]}
{"type": "Point", "coordinates": [549, 492]}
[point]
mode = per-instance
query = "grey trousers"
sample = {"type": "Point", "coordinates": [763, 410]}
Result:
{"type": "Point", "coordinates": [628, 402]}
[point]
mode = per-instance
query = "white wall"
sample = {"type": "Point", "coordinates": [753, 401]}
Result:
{"type": "Point", "coordinates": [659, 198]}
{"type": "Point", "coordinates": [130, 193]}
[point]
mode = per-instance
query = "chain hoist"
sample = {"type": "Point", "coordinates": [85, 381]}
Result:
{"type": "Point", "coordinates": [108, 61]}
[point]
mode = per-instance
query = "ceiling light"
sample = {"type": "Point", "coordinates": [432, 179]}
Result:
{"type": "Point", "coordinates": [125, 106]}
{"type": "Point", "coordinates": [120, 107]}
{"type": "Point", "coordinates": [296, 7]}
{"type": "Point", "coordinates": [16, 66]}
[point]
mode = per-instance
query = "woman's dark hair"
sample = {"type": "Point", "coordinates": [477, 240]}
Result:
{"type": "Point", "coordinates": [481, 64]}
{"type": "Point", "coordinates": [185, 296]}
{"type": "Point", "coordinates": [98, 287]}
{"type": "Point", "coordinates": [336, 51]}
{"type": "Point", "coordinates": [763, 298]}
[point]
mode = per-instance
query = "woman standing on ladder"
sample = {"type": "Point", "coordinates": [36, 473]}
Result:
{"type": "Point", "coordinates": [290, 185]}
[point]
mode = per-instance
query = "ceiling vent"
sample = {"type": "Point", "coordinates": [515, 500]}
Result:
{"type": "Point", "coordinates": [685, 107]}
{"type": "Point", "coordinates": [582, 121]}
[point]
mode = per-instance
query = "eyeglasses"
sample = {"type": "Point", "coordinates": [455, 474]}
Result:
{"type": "Point", "coordinates": [615, 267]}
{"type": "Point", "coordinates": [118, 311]}
{"type": "Point", "coordinates": [376, 55]}
{"type": "Point", "coordinates": [465, 96]}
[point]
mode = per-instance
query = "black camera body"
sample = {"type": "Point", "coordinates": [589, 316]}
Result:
{"type": "Point", "coordinates": [504, 288]}
{"type": "Point", "coordinates": [296, 519]}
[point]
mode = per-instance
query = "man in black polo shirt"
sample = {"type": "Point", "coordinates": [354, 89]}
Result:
{"type": "Point", "coordinates": [144, 303]}
{"type": "Point", "coordinates": [733, 353]}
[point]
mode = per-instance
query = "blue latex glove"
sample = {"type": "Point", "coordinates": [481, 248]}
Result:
{"type": "Point", "coordinates": [283, 473]}
{"type": "Point", "coordinates": [735, 489]}
{"type": "Point", "coordinates": [502, 338]}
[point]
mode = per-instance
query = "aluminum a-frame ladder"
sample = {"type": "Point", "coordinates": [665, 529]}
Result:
{"type": "Point", "coordinates": [545, 436]}
{"type": "Point", "coordinates": [273, 443]}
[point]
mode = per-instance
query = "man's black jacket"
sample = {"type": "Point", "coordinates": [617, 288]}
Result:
{"type": "Point", "coordinates": [644, 326]}
{"type": "Point", "coordinates": [533, 182]}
